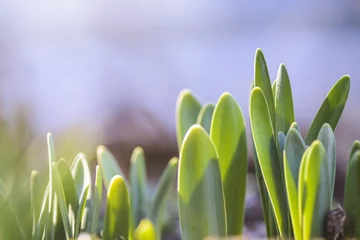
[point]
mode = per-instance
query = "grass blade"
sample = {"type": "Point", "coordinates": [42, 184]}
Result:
{"type": "Point", "coordinates": [81, 213]}
{"type": "Point", "coordinates": [187, 111]}
{"type": "Point", "coordinates": [61, 199]}
{"type": "Point", "coordinates": [68, 184]}
{"type": "Point", "coordinates": [82, 180]}
{"type": "Point", "coordinates": [229, 137]}
{"type": "Point", "coordinates": [117, 215]}
{"type": "Point", "coordinates": [201, 199]}
{"type": "Point", "coordinates": [331, 109]}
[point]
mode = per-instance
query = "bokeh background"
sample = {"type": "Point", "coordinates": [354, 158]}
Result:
{"type": "Point", "coordinates": [109, 72]}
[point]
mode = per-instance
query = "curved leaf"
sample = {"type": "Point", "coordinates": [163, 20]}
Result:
{"type": "Point", "coordinates": [108, 164]}
{"type": "Point", "coordinates": [309, 180]}
{"type": "Point", "coordinates": [352, 192]}
{"type": "Point", "coordinates": [81, 213]}
{"type": "Point", "coordinates": [82, 180]}
{"type": "Point", "coordinates": [145, 231]}
{"type": "Point", "coordinates": [229, 137]}
{"type": "Point", "coordinates": [138, 185]}
{"type": "Point", "coordinates": [68, 184]}
{"type": "Point", "coordinates": [266, 150]}
{"type": "Point", "coordinates": [187, 111]}
{"type": "Point", "coordinates": [327, 138]}
{"type": "Point", "coordinates": [96, 202]}
{"type": "Point", "coordinates": [205, 116]}
{"type": "Point", "coordinates": [293, 151]}
{"type": "Point", "coordinates": [331, 109]}
{"type": "Point", "coordinates": [117, 214]}
{"type": "Point", "coordinates": [61, 200]}
{"type": "Point", "coordinates": [262, 80]}
{"type": "Point", "coordinates": [284, 107]}
{"type": "Point", "coordinates": [161, 194]}
{"type": "Point", "coordinates": [201, 199]}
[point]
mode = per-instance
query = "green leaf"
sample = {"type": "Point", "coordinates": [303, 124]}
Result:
{"type": "Point", "coordinates": [117, 213]}
{"type": "Point", "coordinates": [284, 107]}
{"type": "Point", "coordinates": [68, 184]}
{"type": "Point", "coordinates": [273, 88]}
{"type": "Point", "coordinates": [96, 202]}
{"type": "Point", "coordinates": [9, 224]}
{"type": "Point", "coordinates": [200, 193]}
{"type": "Point", "coordinates": [61, 199]}
{"type": "Point", "coordinates": [327, 138]}
{"type": "Point", "coordinates": [138, 185]}
{"type": "Point", "coordinates": [145, 231]}
{"type": "Point", "coordinates": [82, 180]}
{"type": "Point", "coordinates": [108, 164]}
{"type": "Point", "coordinates": [296, 127]}
{"type": "Point", "coordinates": [266, 149]}
{"type": "Point", "coordinates": [262, 80]}
{"type": "Point", "coordinates": [161, 194]}
{"type": "Point", "coordinates": [229, 137]}
{"type": "Point", "coordinates": [331, 109]}
{"type": "Point", "coordinates": [36, 191]}
{"type": "Point", "coordinates": [81, 213]}
{"type": "Point", "coordinates": [265, 200]}
{"type": "Point", "coordinates": [42, 222]}
{"type": "Point", "coordinates": [187, 111]}
{"type": "Point", "coordinates": [205, 116]}
{"type": "Point", "coordinates": [352, 192]}
{"type": "Point", "coordinates": [293, 151]}
{"type": "Point", "coordinates": [355, 147]}
{"type": "Point", "coordinates": [309, 180]}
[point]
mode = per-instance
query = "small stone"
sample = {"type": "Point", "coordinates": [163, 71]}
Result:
{"type": "Point", "coordinates": [336, 221]}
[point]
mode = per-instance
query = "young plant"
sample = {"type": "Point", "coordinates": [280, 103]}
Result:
{"type": "Point", "coordinates": [295, 176]}
{"type": "Point", "coordinates": [212, 167]}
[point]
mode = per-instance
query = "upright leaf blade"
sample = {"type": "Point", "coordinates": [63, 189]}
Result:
{"type": "Point", "coordinates": [229, 137]}
{"type": "Point", "coordinates": [61, 199]}
{"type": "Point", "coordinates": [327, 138]}
{"type": "Point", "coordinates": [293, 151]}
{"type": "Point", "coordinates": [309, 179]}
{"type": "Point", "coordinates": [205, 116]}
{"type": "Point", "coordinates": [108, 164]}
{"type": "Point", "coordinates": [352, 193]}
{"type": "Point", "coordinates": [187, 111]}
{"type": "Point", "coordinates": [117, 214]}
{"type": "Point", "coordinates": [138, 185]}
{"type": "Point", "coordinates": [266, 150]}
{"type": "Point", "coordinates": [96, 202]}
{"type": "Point", "coordinates": [161, 194]}
{"type": "Point", "coordinates": [201, 199]}
{"type": "Point", "coordinates": [284, 107]}
{"type": "Point", "coordinates": [262, 80]}
{"type": "Point", "coordinates": [68, 184]}
{"type": "Point", "coordinates": [331, 109]}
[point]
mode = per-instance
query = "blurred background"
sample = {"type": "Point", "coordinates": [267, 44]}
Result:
{"type": "Point", "coordinates": [109, 72]}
